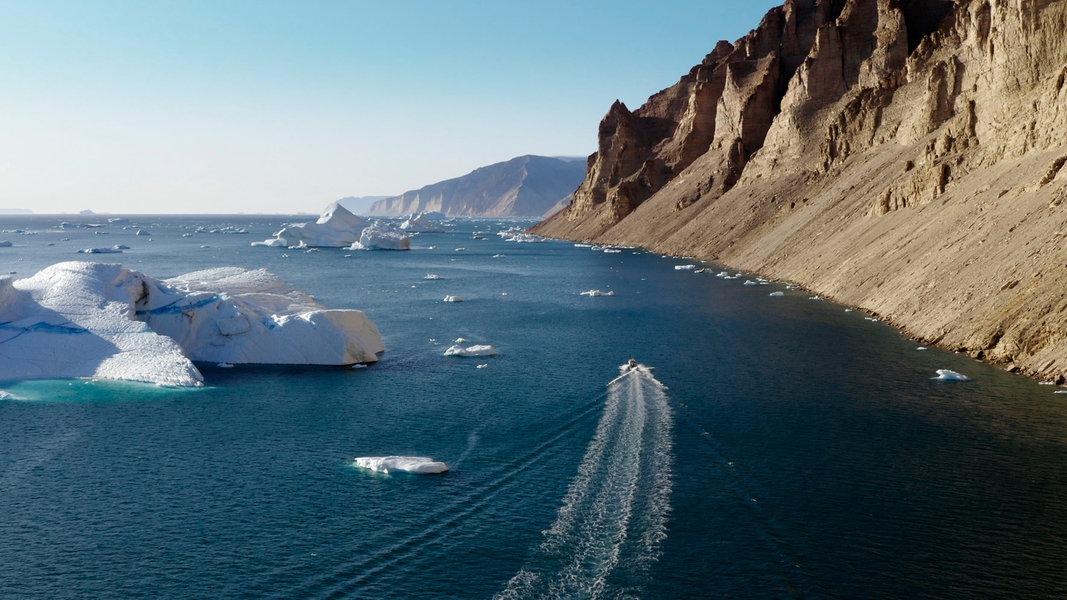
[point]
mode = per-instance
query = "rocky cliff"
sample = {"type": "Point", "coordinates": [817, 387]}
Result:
{"type": "Point", "coordinates": [903, 156]}
{"type": "Point", "coordinates": [526, 186]}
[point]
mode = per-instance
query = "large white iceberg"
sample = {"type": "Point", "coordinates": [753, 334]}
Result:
{"type": "Point", "coordinates": [80, 319]}
{"type": "Point", "coordinates": [420, 465]}
{"type": "Point", "coordinates": [336, 227]}
{"type": "Point", "coordinates": [420, 223]}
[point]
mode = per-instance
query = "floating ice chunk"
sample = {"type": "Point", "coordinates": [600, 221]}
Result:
{"type": "Point", "coordinates": [452, 299]}
{"type": "Point", "coordinates": [612, 251]}
{"type": "Point", "coordinates": [1060, 392]}
{"type": "Point", "coordinates": [749, 282]}
{"type": "Point", "coordinates": [419, 465]}
{"type": "Point", "coordinates": [684, 267]}
{"type": "Point", "coordinates": [460, 340]}
{"type": "Point", "coordinates": [483, 366]}
{"type": "Point", "coordinates": [776, 294]}
{"type": "Point", "coordinates": [141, 232]}
{"type": "Point", "coordinates": [380, 237]}
{"type": "Point", "coordinates": [524, 238]}
{"type": "Point", "coordinates": [432, 277]}
{"type": "Point", "coordinates": [950, 375]}
{"type": "Point", "coordinates": [476, 350]}
{"type": "Point", "coordinates": [920, 348]}
{"type": "Point", "coordinates": [420, 223]}
{"type": "Point", "coordinates": [111, 250]}
{"type": "Point", "coordinates": [582, 245]}
{"type": "Point", "coordinates": [594, 293]}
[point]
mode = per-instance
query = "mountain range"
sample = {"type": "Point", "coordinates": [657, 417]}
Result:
{"type": "Point", "coordinates": [525, 186]}
{"type": "Point", "coordinates": [902, 156]}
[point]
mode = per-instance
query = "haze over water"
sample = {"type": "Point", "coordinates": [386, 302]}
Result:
{"type": "Point", "coordinates": [779, 446]}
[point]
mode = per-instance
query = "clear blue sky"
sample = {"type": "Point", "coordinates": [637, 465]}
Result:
{"type": "Point", "coordinates": [207, 106]}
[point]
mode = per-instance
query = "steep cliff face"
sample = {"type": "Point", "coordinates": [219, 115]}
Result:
{"type": "Point", "coordinates": [905, 156]}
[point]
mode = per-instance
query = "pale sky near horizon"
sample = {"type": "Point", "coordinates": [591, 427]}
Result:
{"type": "Point", "coordinates": [265, 106]}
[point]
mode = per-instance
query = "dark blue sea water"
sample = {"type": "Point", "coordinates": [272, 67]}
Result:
{"type": "Point", "coordinates": [797, 451]}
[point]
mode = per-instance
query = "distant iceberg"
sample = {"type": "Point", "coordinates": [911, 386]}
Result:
{"type": "Point", "coordinates": [950, 375]}
{"type": "Point", "coordinates": [452, 299]}
{"type": "Point", "coordinates": [80, 319]}
{"type": "Point", "coordinates": [594, 293]}
{"type": "Point", "coordinates": [684, 267]}
{"type": "Point", "coordinates": [420, 223]}
{"type": "Point", "coordinates": [476, 350]}
{"type": "Point", "coordinates": [112, 250]}
{"type": "Point", "coordinates": [337, 227]}
{"type": "Point", "coordinates": [419, 465]}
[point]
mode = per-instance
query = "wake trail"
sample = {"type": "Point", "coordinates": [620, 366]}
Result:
{"type": "Point", "coordinates": [348, 576]}
{"type": "Point", "coordinates": [612, 520]}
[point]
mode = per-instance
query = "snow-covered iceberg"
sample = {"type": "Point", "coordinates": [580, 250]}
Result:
{"type": "Point", "coordinates": [419, 465]}
{"type": "Point", "coordinates": [380, 237]}
{"type": "Point", "coordinates": [337, 227]}
{"type": "Point", "coordinates": [80, 319]}
{"type": "Point", "coordinates": [420, 223]}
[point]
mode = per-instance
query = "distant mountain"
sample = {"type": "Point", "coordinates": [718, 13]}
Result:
{"type": "Point", "coordinates": [359, 204]}
{"type": "Point", "coordinates": [526, 186]}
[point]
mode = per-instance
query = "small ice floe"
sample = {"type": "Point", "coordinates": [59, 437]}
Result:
{"type": "Point", "coordinates": [525, 238]}
{"type": "Point", "coordinates": [814, 298]}
{"type": "Point", "coordinates": [684, 267]}
{"type": "Point", "coordinates": [776, 294]}
{"type": "Point", "coordinates": [612, 251]}
{"type": "Point", "coordinates": [871, 319]}
{"type": "Point", "coordinates": [498, 256]}
{"type": "Point", "coordinates": [921, 348]}
{"type": "Point", "coordinates": [583, 245]}
{"type": "Point", "coordinates": [224, 365]}
{"type": "Point", "coordinates": [1060, 392]}
{"type": "Point", "coordinates": [141, 232]}
{"type": "Point", "coordinates": [950, 375]}
{"type": "Point", "coordinates": [419, 465]}
{"type": "Point", "coordinates": [594, 293]}
{"type": "Point", "coordinates": [432, 277]}
{"type": "Point", "coordinates": [111, 250]}
{"type": "Point", "coordinates": [460, 250]}
{"type": "Point", "coordinates": [722, 274]}
{"type": "Point", "coordinates": [483, 366]}
{"type": "Point", "coordinates": [476, 350]}
{"type": "Point", "coordinates": [452, 299]}
{"type": "Point", "coordinates": [460, 340]}
{"type": "Point", "coordinates": [750, 282]}
{"type": "Point", "coordinates": [848, 310]}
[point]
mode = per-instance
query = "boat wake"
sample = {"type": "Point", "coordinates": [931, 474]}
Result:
{"type": "Point", "coordinates": [612, 521]}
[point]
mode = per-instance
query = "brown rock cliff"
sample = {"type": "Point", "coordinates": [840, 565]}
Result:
{"type": "Point", "coordinates": [904, 156]}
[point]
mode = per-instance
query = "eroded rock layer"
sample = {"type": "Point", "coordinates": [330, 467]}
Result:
{"type": "Point", "coordinates": [904, 156]}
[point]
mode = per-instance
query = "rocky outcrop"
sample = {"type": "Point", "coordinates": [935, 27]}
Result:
{"type": "Point", "coordinates": [526, 186]}
{"type": "Point", "coordinates": [904, 156]}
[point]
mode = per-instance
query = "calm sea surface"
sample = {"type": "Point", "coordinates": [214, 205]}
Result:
{"type": "Point", "coordinates": [797, 450]}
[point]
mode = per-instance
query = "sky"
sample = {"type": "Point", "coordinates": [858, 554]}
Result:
{"type": "Point", "coordinates": [266, 106]}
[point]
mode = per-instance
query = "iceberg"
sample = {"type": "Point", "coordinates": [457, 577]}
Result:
{"type": "Point", "coordinates": [476, 350]}
{"type": "Point", "coordinates": [684, 267]}
{"type": "Point", "coordinates": [104, 321]}
{"type": "Point", "coordinates": [111, 250]}
{"type": "Point", "coordinates": [595, 293]}
{"type": "Point", "coordinates": [380, 237]}
{"type": "Point", "coordinates": [420, 223]}
{"type": "Point", "coordinates": [452, 299]}
{"type": "Point", "coordinates": [950, 375]}
{"type": "Point", "coordinates": [419, 465]}
{"type": "Point", "coordinates": [336, 227]}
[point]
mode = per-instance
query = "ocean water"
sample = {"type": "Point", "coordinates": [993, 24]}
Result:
{"type": "Point", "coordinates": [774, 447]}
